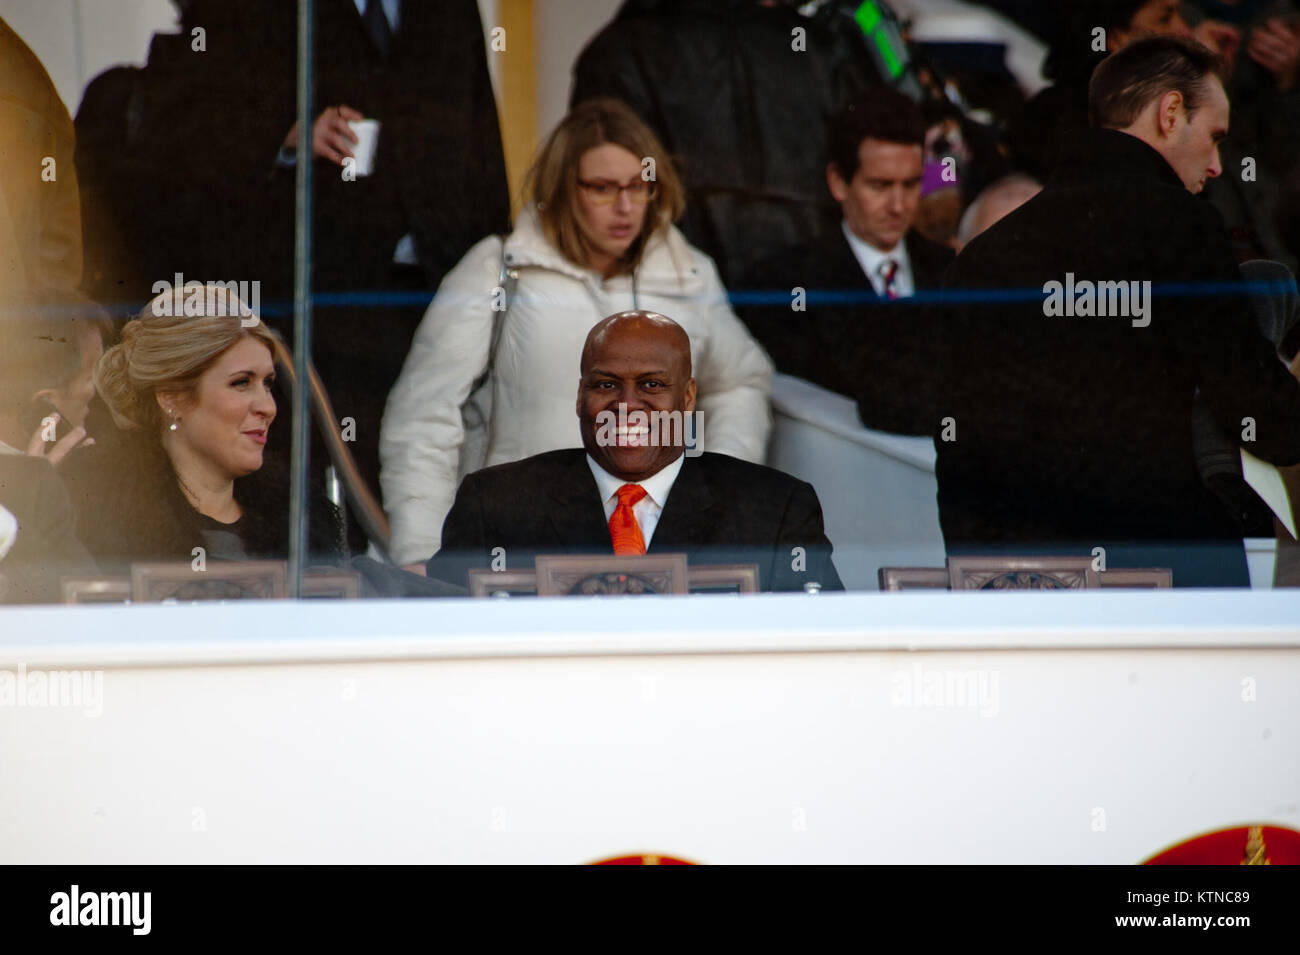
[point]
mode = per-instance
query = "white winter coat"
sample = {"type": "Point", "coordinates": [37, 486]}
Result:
{"type": "Point", "coordinates": [535, 378]}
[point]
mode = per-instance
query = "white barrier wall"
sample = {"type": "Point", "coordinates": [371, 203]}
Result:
{"type": "Point", "coordinates": [1088, 727]}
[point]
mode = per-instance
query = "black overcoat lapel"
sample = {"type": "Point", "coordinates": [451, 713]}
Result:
{"type": "Point", "coordinates": [687, 522]}
{"type": "Point", "coordinates": [576, 516]}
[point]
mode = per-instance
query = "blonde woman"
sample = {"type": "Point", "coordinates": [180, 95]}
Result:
{"type": "Point", "coordinates": [596, 238]}
{"type": "Point", "coordinates": [193, 398]}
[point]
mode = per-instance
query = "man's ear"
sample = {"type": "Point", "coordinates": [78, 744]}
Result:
{"type": "Point", "coordinates": [48, 395]}
{"type": "Point", "coordinates": [577, 402]}
{"type": "Point", "coordinates": [835, 183]}
{"type": "Point", "coordinates": [690, 396]}
{"type": "Point", "coordinates": [1170, 108]}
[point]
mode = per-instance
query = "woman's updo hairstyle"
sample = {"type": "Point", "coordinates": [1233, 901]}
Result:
{"type": "Point", "coordinates": [179, 335]}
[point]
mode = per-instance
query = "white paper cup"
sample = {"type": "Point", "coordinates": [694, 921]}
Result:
{"type": "Point", "coordinates": [363, 150]}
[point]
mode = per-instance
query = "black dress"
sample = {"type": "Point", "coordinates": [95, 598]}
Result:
{"type": "Point", "coordinates": [131, 509]}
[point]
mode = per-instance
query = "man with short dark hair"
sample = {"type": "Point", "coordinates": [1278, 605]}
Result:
{"type": "Point", "coordinates": [1155, 93]}
{"type": "Point", "coordinates": [853, 330]}
{"type": "Point", "coordinates": [1080, 329]}
{"type": "Point", "coordinates": [632, 489]}
{"type": "Point", "coordinates": [877, 152]}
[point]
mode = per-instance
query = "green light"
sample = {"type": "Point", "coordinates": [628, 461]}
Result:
{"type": "Point", "coordinates": [868, 17]}
{"type": "Point", "coordinates": [887, 51]}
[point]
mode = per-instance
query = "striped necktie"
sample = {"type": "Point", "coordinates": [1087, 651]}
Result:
{"type": "Point", "coordinates": [624, 531]}
{"type": "Point", "coordinates": [889, 271]}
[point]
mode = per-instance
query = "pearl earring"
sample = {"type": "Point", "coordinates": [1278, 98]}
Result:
{"type": "Point", "coordinates": [173, 416]}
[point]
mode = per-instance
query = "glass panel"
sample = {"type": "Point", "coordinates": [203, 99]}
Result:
{"type": "Point", "coordinates": [806, 388]}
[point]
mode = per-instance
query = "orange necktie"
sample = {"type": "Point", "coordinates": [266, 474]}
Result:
{"type": "Point", "coordinates": [623, 528]}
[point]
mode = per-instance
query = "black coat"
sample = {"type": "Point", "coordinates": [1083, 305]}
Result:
{"type": "Point", "coordinates": [47, 546]}
{"type": "Point", "coordinates": [1051, 114]}
{"type": "Point", "coordinates": [202, 131]}
{"type": "Point", "coordinates": [849, 339]}
{"type": "Point", "coordinates": [1080, 429]}
{"type": "Point", "coordinates": [130, 508]}
{"type": "Point", "coordinates": [742, 113]}
{"type": "Point", "coordinates": [192, 185]}
{"type": "Point", "coordinates": [721, 511]}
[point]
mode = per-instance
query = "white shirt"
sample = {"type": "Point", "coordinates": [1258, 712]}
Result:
{"type": "Point", "coordinates": [8, 449]}
{"type": "Point", "coordinates": [647, 510]}
{"type": "Point", "coordinates": [872, 261]}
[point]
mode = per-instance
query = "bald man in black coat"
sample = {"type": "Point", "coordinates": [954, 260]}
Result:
{"type": "Point", "coordinates": [715, 508]}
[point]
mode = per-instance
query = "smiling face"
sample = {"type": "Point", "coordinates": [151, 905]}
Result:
{"type": "Point", "coordinates": [610, 229]}
{"type": "Point", "coordinates": [646, 365]}
{"type": "Point", "coordinates": [223, 426]}
{"type": "Point", "coordinates": [880, 201]}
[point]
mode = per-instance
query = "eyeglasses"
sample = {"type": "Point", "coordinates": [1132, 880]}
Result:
{"type": "Point", "coordinates": [605, 193]}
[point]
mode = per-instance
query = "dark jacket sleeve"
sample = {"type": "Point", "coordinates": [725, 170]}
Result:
{"type": "Point", "coordinates": [605, 69]}
{"type": "Point", "coordinates": [470, 198]}
{"type": "Point", "coordinates": [894, 367]}
{"type": "Point", "coordinates": [1239, 374]}
{"type": "Point", "coordinates": [766, 306]}
{"type": "Point", "coordinates": [803, 552]}
{"type": "Point", "coordinates": [465, 542]}
{"type": "Point", "coordinates": [55, 523]}
{"type": "Point", "coordinates": [892, 372]}
{"type": "Point", "coordinates": [242, 77]}
{"type": "Point", "coordinates": [47, 546]}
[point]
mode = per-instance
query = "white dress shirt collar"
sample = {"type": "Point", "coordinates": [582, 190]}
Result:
{"type": "Point", "coordinates": [872, 259]}
{"type": "Point", "coordinates": [650, 507]}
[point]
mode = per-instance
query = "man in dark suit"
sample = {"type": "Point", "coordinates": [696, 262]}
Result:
{"type": "Point", "coordinates": [854, 328]}
{"type": "Point", "coordinates": [1080, 329]}
{"type": "Point", "coordinates": [46, 546]}
{"type": "Point", "coordinates": [381, 242]}
{"type": "Point", "coordinates": [633, 490]}
{"type": "Point", "coordinates": [49, 345]}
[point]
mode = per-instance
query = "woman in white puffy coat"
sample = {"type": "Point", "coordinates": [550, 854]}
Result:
{"type": "Point", "coordinates": [596, 239]}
